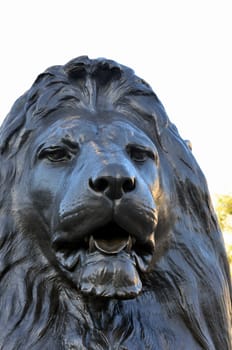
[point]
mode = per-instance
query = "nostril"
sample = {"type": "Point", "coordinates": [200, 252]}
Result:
{"type": "Point", "coordinates": [112, 187]}
{"type": "Point", "coordinates": [99, 185]}
{"type": "Point", "coordinates": [128, 185]}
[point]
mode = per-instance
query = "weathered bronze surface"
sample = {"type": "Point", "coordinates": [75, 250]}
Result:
{"type": "Point", "coordinates": [108, 239]}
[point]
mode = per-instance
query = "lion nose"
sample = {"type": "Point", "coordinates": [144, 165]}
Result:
{"type": "Point", "coordinates": [112, 184]}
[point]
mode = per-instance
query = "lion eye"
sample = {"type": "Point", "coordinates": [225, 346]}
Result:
{"type": "Point", "coordinates": [56, 154]}
{"type": "Point", "coordinates": [138, 154]}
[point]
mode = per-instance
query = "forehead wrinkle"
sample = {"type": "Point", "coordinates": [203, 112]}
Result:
{"type": "Point", "coordinates": [95, 147]}
{"type": "Point", "coordinates": [101, 133]}
{"type": "Point", "coordinates": [128, 132]}
{"type": "Point", "coordinates": [72, 131]}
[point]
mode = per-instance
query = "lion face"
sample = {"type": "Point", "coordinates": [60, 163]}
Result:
{"type": "Point", "coordinates": [101, 197]}
{"type": "Point", "coordinates": [94, 180]}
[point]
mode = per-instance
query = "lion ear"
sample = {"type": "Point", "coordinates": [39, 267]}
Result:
{"type": "Point", "coordinates": [189, 144]}
{"type": "Point", "coordinates": [13, 122]}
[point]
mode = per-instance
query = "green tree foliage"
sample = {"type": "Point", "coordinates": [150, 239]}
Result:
{"type": "Point", "coordinates": [229, 254]}
{"type": "Point", "coordinates": [224, 212]}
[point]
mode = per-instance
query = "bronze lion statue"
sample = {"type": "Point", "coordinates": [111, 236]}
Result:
{"type": "Point", "coordinates": [108, 239]}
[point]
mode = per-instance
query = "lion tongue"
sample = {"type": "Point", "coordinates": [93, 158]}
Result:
{"type": "Point", "coordinates": [110, 246]}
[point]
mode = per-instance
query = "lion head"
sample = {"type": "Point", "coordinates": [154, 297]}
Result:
{"type": "Point", "coordinates": [105, 218]}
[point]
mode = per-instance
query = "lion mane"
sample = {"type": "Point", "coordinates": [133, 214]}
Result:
{"type": "Point", "coordinates": [186, 299]}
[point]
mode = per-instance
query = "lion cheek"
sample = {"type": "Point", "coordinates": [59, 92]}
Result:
{"type": "Point", "coordinates": [109, 276]}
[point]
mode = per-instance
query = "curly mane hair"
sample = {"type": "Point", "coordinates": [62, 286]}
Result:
{"type": "Point", "coordinates": [187, 299]}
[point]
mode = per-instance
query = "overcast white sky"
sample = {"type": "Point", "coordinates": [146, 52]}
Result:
{"type": "Point", "coordinates": [183, 48]}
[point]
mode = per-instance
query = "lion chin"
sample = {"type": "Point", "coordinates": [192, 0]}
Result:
{"type": "Point", "coordinates": [108, 264]}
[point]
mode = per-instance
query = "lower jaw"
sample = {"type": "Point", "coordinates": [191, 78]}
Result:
{"type": "Point", "coordinates": [109, 276]}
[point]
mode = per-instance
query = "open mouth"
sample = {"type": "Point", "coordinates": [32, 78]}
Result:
{"type": "Point", "coordinates": [110, 239]}
{"type": "Point", "coordinates": [106, 262]}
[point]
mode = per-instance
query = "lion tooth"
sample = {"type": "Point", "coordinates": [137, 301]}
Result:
{"type": "Point", "coordinates": [91, 244]}
{"type": "Point", "coordinates": [129, 244]}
